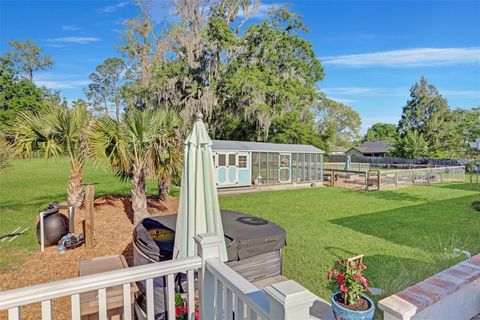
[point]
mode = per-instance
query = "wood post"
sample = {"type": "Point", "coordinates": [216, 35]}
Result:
{"type": "Point", "coordinates": [333, 178]}
{"type": "Point", "coordinates": [89, 216]}
{"type": "Point", "coordinates": [367, 173]}
{"type": "Point", "coordinates": [396, 180]}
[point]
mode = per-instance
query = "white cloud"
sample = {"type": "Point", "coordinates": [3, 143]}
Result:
{"type": "Point", "coordinates": [113, 8]}
{"type": "Point", "coordinates": [259, 11]}
{"type": "Point", "coordinates": [71, 27]}
{"type": "Point", "coordinates": [74, 39]}
{"type": "Point", "coordinates": [343, 100]}
{"type": "Point", "coordinates": [62, 84]}
{"type": "Point", "coordinates": [352, 91]}
{"type": "Point", "coordinates": [461, 93]}
{"type": "Point", "coordinates": [61, 81]}
{"type": "Point", "coordinates": [408, 58]}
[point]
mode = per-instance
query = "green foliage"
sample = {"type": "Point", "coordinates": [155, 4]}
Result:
{"type": "Point", "coordinates": [5, 151]}
{"type": "Point", "coordinates": [413, 145]}
{"type": "Point", "coordinates": [381, 131]}
{"type": "Point", "coordinates": [274, 72]}
{"type": "Point", "coordinates": [27, 57]}
{"type": "Point", "coordinates": [244, 79]}
{"type": "Point", "coordinates": [427, 112]}
{"type": "Point", "coordinates": [52, 132]}
{"type": "Point", "coordinates": [138, 140]}
{"type": "Point", "coordinates": [466, 129]}
{"type": "Point", "coordinates": [16, 94]}
{"type": "Point", "coordinates": [292, 128]}
{"type": "Point", "coordinates": [104, 89]}
{"type": "Point", "coordinates": [337, 123]}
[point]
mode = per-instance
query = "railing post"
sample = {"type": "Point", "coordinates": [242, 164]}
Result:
{"type": "Point", "coordinates": [208, 246]}
{"type": "Point", "coordinates": [289, 301]}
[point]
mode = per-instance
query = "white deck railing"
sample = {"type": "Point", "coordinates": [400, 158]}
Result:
{"type": "Point", "coordinates": [222, 291]}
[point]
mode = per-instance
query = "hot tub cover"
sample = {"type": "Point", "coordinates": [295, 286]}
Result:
{"type": "Point", "coordinates": [245, 236]}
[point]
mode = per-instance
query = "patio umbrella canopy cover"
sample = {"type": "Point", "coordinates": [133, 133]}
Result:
{"type": "Point", "coordinates": [198, 210]}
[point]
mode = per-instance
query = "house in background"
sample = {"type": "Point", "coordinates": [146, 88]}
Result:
{"type": "Point", "coordinates": [243, 164]}
{"type": "Point", "coordinates": [373, 148]}
{"type": "Point", "coordinates": [475, 144]}
{"type": "Point", "coordinates": [338, 150]}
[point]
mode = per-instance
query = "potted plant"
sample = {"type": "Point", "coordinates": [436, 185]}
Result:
{"type": "Point", "coordinates": [181, 309]}
{"type": "Point", "coordinates": [349, 285]}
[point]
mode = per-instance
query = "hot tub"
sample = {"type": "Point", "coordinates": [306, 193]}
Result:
{"type": "Point", "coordinates": [253, 247]}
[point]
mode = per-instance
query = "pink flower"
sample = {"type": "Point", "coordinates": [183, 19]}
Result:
{"type": "Point", "coordinates": [329, 275]}
{"type": "Point", "coordinates": [197, 315]}
{"type": "Point", "coordinates": [178, 311]}
{"type": "Point", "coordinates": [340, 261]}
{"type": "Point", "coordinates": [340, 278]}
{"type": "Point", "coordinates": [343, 288]}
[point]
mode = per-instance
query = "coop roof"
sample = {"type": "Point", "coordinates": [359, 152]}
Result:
{"type": "Point", "coordinates": [227, 145]}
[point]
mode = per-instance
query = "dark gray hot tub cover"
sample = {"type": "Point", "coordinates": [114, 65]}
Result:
{"type": "Point", "coordinates": [245, 236]}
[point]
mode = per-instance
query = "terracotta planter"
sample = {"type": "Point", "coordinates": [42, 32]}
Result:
{"type": "Point", "coordinates": [342, 313]}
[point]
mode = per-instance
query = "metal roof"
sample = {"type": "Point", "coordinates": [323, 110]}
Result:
{"type": "Point", "coordinates": [374, 146]}
{"type": "Point", "coordinates": [226, 145]}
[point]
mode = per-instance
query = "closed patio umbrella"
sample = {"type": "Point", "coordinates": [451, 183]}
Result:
{"type": "Point", "coordinates": [198, 210]}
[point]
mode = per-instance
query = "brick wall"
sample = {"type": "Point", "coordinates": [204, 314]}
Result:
{"type": "Point", "coordinates": [453, 294]}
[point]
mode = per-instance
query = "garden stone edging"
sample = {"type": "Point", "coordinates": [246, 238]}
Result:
{"type": "Point", "coordinates": [438, 291]}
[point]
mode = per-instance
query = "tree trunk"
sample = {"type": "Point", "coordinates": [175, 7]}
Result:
{"type": "Point", "coordinates": [139, 194]}
{"type": "Point", "coordinates": [163, 187]}
{"type": "Point", "coordinates": [75, 190]}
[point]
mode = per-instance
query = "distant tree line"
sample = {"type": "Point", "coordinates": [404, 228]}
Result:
{"type": "Point", "coordinates": [428, 128]}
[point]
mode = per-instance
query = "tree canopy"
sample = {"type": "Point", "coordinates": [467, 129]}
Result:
{"type": "Point", "coordinates": [27, 57]}
{"type": "Point", "coordinates": [16, 94]}
{"type": "Point", "coordinates": [104, 89]}
{"type": "Point", "coordinates": [381, 131]}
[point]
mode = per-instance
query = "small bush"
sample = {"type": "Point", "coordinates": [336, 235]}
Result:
{"type": "Point", "coordinates": [473, 166]}
{"type": "Point", "coordinates": [5, 153]}
{"type": "Point", "coordinates": [476, 205]}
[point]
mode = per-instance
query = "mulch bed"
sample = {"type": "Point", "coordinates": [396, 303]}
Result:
{"type": "Point", "coordinates": [114, 226]}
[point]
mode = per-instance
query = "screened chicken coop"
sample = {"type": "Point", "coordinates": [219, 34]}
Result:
{"type": "Point", "coordinates": [242, 164]}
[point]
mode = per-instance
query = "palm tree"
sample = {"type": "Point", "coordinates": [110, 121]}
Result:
{"type": "Point", "coordinates": [168, 154]}
{"type": "Point", "coordinates": [56, 131]}
{"type": "Point", "coordinates": [131, 148]}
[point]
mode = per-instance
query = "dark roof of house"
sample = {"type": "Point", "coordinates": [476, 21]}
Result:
{"type": "Point", "coordinates": [374, 146]}
{"type": "Point", "coordinates": [226, 145]}
{"type": "Point", "coordinates": [338, 149]}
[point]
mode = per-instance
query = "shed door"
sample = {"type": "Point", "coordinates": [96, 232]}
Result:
{"type": "Point", "coordinates": [284, 167]}
{"type": "Point", "coordinates": [227, 169]}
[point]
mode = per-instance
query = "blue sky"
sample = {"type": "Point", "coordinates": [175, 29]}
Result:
{"type": "Point", "coordinates": [372, 51]}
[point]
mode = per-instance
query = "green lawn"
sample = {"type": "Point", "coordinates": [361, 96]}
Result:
{"type": "Point", "coordinates": [406, 235]}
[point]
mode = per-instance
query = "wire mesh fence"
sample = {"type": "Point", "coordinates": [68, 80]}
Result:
{"type": "Point", "coordinates": [352, 179]}
{"type": "Point", "coordinates": [393, 179]}
{"type": "Point", "coordinates": [369, 179]}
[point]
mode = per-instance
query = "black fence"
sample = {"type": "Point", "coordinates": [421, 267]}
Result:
{"type": "Point", "coordinates": [381, 161]}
